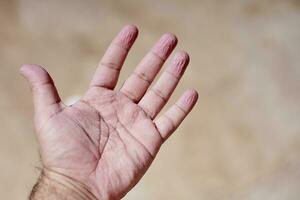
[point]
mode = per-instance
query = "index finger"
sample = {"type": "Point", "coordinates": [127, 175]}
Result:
{"type": "Point", "coordinates": [109, 67]}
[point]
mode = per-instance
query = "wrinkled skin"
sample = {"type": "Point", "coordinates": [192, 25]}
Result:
{"type": "Point", "coordinates": [108, 139]}
{"type": "Point", "coordinates": [102, 149]}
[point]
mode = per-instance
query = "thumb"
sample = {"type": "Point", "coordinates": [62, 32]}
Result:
{"type": "Point", "coordinates": [45, 96]}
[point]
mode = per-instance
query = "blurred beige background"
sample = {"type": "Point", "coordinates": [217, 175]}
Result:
{"type": "Point", "coordinates": [242, 141]}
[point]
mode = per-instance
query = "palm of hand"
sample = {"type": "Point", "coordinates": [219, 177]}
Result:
{"type": "Point", "coordinates": [100, 140]}
{"type": "Point", "coordinates": [108, 139]}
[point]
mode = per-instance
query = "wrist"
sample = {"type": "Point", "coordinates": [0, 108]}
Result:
{"type": "Point", "coordinates": [54, 185]}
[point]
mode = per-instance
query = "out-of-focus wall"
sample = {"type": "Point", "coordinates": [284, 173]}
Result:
{"type": "Point", "coordinates": [242, 141]}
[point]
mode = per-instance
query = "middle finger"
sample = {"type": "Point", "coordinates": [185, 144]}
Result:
{"type": "Point", "coordinates": [139, 81]}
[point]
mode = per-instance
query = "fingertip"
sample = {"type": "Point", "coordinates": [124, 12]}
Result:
{"type": "Point", "coordinates": [25, 69]}
{"type": "Point", "coordinates": [179, 63]}
{"type": "Point", "coordinates": [165, 45]}
{"type": "Point", "coordinates": [127, 36]}
{"type": "Point", "coordinates": [22, 69]}
{"type": "Point", "coordinates": [192, 93]}
{"type": "Point", "coordinates": [169, 40]}
{"type": "Point", "coordinates": [183, 55]}
{"type": "Point", "coordinates": [170, 37]}
{"type": "Point", "coordinates": [189, 99]}
{"type": "Point", "coordinates": [131, 28]}
{"type": "Point", "coordinates": [34, 73]}
{"type": "Point", "coordinates": [41, 85]}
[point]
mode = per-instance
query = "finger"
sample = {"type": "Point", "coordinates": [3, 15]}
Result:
{"type": "Point", "coordinates": [138, 82]}
{"type": "Point", "coordinates": [108, 70]}
{"type": "Point", "coordinates": [45, 95]}
{"type": "Point", "coordinates": [155, 98]}
{"type": "Point", "coordinates": [169, 121]}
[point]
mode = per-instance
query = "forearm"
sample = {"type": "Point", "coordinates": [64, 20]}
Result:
{"type": "Point", "coordinates": [54, 186]}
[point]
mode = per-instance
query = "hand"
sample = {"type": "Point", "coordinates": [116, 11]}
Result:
{"type": "Point", "coordinates": [106, 141]}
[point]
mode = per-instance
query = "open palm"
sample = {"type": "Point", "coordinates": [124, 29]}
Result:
{"type": "Point", "coordinates": [108, 139]}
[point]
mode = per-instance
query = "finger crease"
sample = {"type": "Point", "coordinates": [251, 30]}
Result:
{"type": "Point", "coordinates": [173, 75]}
{"type": "Point", "coordinates": [184, 111]}
{"type": "Point", "coordinates": [130, 95]}
{"type": "Point", "coordinates": [110, 65]}
{"type": "Point", "coordinates": [57, 101]}
{"type": "Point", "coordinates": [170, 121]}
{"type": "Point", "coordinates": [145, 78]}
{"type": "Point", "coordinates": [37, 85]}
{"type": "Point", "coordinates": [121, 46]}
{"type": "Point", "coordinates": [158, 56]}
{"type": "Point", "coordinates": [159, 94]}
{"type": "Point", "coordinates": [148, 112]}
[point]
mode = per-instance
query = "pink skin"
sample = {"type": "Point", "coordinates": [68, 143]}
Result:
{"type": "Point", "coordinates": [108, 139]}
